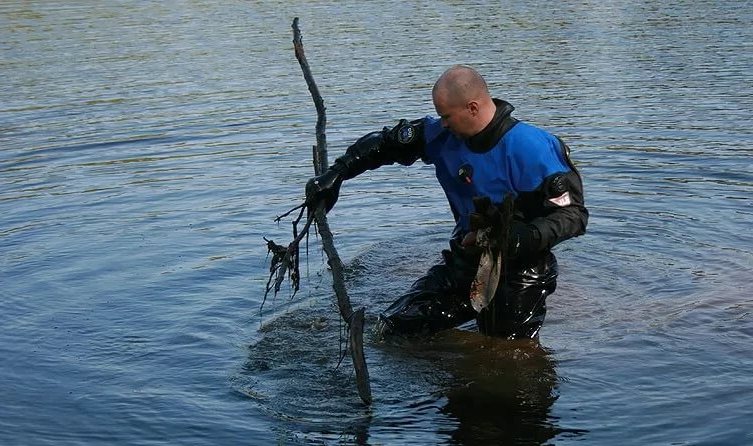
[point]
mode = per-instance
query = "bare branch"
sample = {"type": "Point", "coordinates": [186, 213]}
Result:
{"type": "Point", "coordinates": [285, 260]}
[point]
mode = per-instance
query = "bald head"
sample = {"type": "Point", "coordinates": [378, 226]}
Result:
{"type": "Point", "coordinates": [462, 101]}
{"type": "Point", "coordinates": [460, 84]}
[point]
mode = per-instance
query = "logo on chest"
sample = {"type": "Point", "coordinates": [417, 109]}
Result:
{"type": "Point", "coordinates": [465, 174]}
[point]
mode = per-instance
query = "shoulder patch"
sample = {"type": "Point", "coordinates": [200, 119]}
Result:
{"type": "Point", "coordinates": [557, 186]}
{"type": "Point", "coordinates": [406, 134]}
{"type": "Point", "coordinates": [562, 201]}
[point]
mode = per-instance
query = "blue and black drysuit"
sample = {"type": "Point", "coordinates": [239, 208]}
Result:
{"type": "Point", "coordinates": [507, 157]}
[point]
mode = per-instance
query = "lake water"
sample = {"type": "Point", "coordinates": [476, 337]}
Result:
{"type": "Point", "coordinates": [146, 148]}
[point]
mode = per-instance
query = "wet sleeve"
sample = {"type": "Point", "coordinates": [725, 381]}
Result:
{"type": "Point", "coordinates": [402, 144]}
{"type": "Point", "coordinates": [405, 142]}
{"type": "Point", "coordinates": [563, 211]}
{"type": "Point", "coordinates": [550, 197]}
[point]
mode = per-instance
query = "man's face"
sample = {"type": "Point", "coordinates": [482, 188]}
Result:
{"type": "Point", "coordinates": [456, 117]}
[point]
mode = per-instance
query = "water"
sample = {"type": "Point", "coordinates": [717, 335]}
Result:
{"type": "Point", "coordinates": [146, 147]}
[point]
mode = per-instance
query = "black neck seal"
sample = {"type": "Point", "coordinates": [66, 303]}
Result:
{"type": "Point", "coordinates": [487, 138]}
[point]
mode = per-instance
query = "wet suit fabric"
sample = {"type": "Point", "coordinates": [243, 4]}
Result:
{"type": "Point", "coordinates": [507, 157]}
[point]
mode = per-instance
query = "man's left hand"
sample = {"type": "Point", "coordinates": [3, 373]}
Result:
{"type": "Point", "coordinates": [469, 239]}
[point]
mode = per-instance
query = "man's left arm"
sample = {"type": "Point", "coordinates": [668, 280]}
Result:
{"type": "Point", "coordinates": [563, 213]}
{"type": "Point", "coordinates": [552, 213]}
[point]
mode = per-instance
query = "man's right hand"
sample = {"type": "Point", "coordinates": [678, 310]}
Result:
{"type": "Point", "coordinates": [324, 188]}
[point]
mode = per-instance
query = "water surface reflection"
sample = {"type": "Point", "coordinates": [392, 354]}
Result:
{"type": "Point", "coordinates": [506, 393]}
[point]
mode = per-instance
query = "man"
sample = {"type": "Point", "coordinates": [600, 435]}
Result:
{"type": "Point", "coordinates": [481, 156]}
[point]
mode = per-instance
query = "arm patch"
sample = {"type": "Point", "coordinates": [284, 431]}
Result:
{"type": "Point", "coordinates": [406, 134]}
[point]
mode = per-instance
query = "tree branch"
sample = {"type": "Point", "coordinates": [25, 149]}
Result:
{"type": "Point", "coordinates": [353, 320]}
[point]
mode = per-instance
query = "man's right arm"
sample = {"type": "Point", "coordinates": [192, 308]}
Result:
{"type": "Point", "coordinates": [403, 144]}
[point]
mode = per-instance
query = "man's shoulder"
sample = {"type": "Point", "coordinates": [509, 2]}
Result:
{"type": "Point", "coordinates": [525, 139]}
{"type": "Point", "coordinates": [522, 131]}
{"type": "Point", "coordinates": [432, 127]}
{"type": "Point", "coordinates": [435, 135]}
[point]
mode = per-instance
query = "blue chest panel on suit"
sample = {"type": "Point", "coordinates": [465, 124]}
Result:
{"type": "Point", "coordinates": [519, 162]}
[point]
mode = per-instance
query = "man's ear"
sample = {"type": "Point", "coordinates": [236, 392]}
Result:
{"type": "Point", "coordinates": [472, 107]}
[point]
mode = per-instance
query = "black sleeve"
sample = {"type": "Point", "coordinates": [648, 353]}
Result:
{"type": "Point", "coordinates": [556, 210]}
{"type": "Point", "coordinates": [563, 211]}
{"type": "Point", "coordinates": [403, 144]}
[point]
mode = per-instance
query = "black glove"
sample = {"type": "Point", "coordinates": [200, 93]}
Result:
{"type": "Point", "coordinates": [486, 215]}
{"type": "Point", "coordinates": [519, 238]}
{"type": "Point", "coordinates": [324, 188]}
